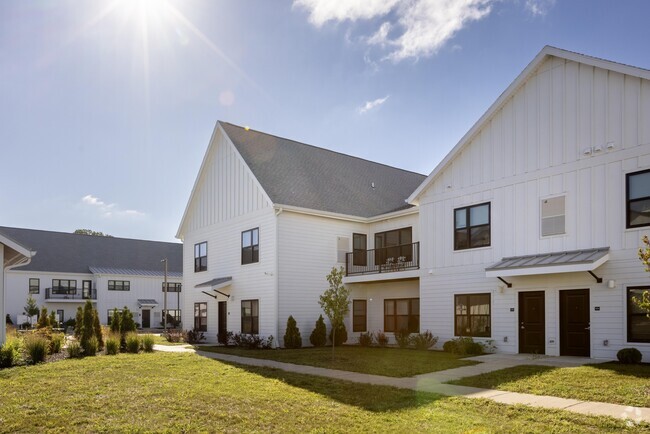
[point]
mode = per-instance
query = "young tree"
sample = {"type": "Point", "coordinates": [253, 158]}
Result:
{"type": "Point", "coordinates": [43, 319]}
{"type": "Point", "coordinates": [116, 322]}
{"type": "Point", "coordinates": [292, 338]}
{"type": "Point", "coordinates": [335, 301]}
{"type": "Point", "coordinates": [78, 323]}
{"type": "Point", "coordinates": [318, 337]}
{"type": "Point", "coordinates": [98, 330]}
{"type": "Point", "coordinates": [128, 325]}
{"type": "Point", "coordinates": [53, 320]}
{"type": "Point", "coordinates": [88, 327]}
{"type": "Point", "coordinates": [31, 308]}
{"type": "Point", "coordinates": [644, 257]}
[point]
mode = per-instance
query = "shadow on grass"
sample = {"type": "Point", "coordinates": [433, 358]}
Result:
{"type": "Point", "coordinates": [377, 399]}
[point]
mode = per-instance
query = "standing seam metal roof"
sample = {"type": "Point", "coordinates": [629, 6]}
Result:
{"type": "Point", "coordinates": [297, 174]}
{"type": "Point", "coordinates": [572, 257]}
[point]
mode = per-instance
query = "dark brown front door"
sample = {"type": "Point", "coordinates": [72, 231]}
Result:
{"type": "Point", "coordinates": [531, 323]}
{"type": "Point", "coordinates": [575, 336]}
{"type": "Point", "coordinates": [146, 318]}
{"type": "Point", "coordinates": [222, 319]}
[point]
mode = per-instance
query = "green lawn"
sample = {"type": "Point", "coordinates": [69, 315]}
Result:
{"type": "Point", "coordinates": [188, 393]}
{"type": "Point", "coordinates": [390, 362]}
{"type": "Point", "coordinates": [607, 382]}
{"type": "Point", "coordinates": [160, 340]}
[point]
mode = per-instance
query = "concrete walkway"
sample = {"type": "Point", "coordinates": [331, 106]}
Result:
{"type": "Point", "coordinates": [174, 348]}
{"type": "Point", "coordinates": [434, 382]}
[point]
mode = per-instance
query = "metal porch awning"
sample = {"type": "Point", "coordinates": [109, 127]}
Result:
{"type": "Point", "coordinates": [550, 263]}
{"type": "Point", "coordinates": [216, 285]}
{"type": "Point", "coordinates": [147, 303]}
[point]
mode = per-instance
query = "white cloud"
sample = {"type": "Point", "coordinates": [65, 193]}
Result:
{"type": "Point", "coordinates": [539, 7]}
{"type": "Point", "coordinates": [422, 27]}
{"type": "Point", "coordinates": [322, 11]}
{"type": "Point", "coordinates": [369, 105]}
{"type": "Point", "coordinates": [109, 210]}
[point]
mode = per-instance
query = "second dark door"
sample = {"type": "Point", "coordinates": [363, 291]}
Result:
{"type": "Point", "coordinates": [146, 318]}
{"type": "Point", "coordinates": [575, 335]}
{"type": "Point", "coordinates": [532, 324]}
{"type": "Point", "coordinates": [223, 323]}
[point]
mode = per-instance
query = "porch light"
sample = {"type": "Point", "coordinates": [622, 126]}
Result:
{"type": "Point", "coordinates": [611, 284]}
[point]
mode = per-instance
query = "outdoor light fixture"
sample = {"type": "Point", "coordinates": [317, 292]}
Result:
{"type": "Point", "coordinates": [611, 284]}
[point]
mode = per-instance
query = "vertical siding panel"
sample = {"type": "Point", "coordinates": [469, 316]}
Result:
{"type": "Point", "coordinates": [631, 112]}
{"type": "Point", "coordinates": [615, 209]}
{"type": "Point", "coordinates": [571, 204]}
{"type": "Point", "coordinates": [584, 208]}
{"type": "Point", "coordinates": [599, 121]}
{"type": "Point", "coordinates": [488, 153]}
{"type": "Point", "coordinates": [507, 151]}
{"type": "Point", "coordinates": [644, 113]}
{"type": "Point", "coordinates": [598, 206]}
{"type": "Point", "coordinates": [585, 92]}
{"type": "Point", "coordinates": [615, 108]}
{"type": "Point", "coordinates": [519, 144]}
{"type": "Point", "coordinates": [557, 113]}
{"type": "Point", "coordinates": [544, 119]}
{"type": "Point", "coordinates": [520, 234]}
{"type": "Point", "coordinates": [572, 146]}
{"type": "Point", "coordinates": [531, 145]}
{"type": "Point", "coordinates": [530, 216]}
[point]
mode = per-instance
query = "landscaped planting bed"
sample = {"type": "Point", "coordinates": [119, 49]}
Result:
{"type": "Point", "coordinates": [187, 393]}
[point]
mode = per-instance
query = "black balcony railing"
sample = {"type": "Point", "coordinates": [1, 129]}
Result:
{"type": "Point", "coordinates": [70, 294]}
{"type": "Point", "coordinates": [383, 260]}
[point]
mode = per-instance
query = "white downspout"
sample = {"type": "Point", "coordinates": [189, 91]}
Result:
{"type": "Point", "coordinates": [277, 277]}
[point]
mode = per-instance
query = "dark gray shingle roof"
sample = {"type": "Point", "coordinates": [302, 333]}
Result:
{"type": "Point", "coordinates": [71, 253]}
{"type": "Point", "coordinates": [296, 174]}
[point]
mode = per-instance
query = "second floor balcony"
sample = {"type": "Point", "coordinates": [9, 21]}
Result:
{"type": "Point", "coordinates": [70, 294]}
{"type": "Point", "coordinates": [392, 259]}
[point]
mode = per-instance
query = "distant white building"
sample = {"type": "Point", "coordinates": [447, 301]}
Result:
{"type": "Point", "coordinates": [267, 220]}
{"type": "Point", "coordinates": [110, 272]}
{"type": "Point", "coordinates": [530, 226]}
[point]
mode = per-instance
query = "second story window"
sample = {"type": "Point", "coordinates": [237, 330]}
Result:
{"type": "Point", "coordinates": [119, 285]}
{"type": "Point", "coordinates": [250, 246]}
{"type": "Point", "coordinates": [359, 249]}
{"type": "Point", "coordinates": [638, 199]}
{"type": "Point", "coordinates": [472, 227]}
{"type": "Point", "coordinates": [201, 256]}
{"type": "Point", "coordinates": [34, 286]}
{"type": "Point", "coordinates": [60, 286]}
{"type": "Point", "coordinates": [552, 211]}
{"type": "Point", "coordinates": [172, 287]}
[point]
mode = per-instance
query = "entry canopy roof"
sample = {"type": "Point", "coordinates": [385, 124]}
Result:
{"type": "Point", "coordinates": [143, 302]}
{"type": "Point", "coordinates": [550, 263]}
{"type": "Point", "coordinates": [217, 283]}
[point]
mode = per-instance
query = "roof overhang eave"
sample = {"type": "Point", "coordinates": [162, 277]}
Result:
{"type": "Point", "coordinates": [546, 269]}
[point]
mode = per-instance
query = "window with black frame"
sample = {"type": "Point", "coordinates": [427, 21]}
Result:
{"type": "Point", "coordinates": [394, 246]}
{"type": "Point", "coordinates": [201, 256]}
{"type": "Point", "coordinates": [472, 315]}
{"type": "Point", "coordinates": [34, 285]}
{"type": "Point", "coordinates": [250, 246]}
{"type": "Point", "coordinates": [119, 285]}
{"type": "Point", "coordinates": [402, 314]}
{"type": "Point", "coordinates": [201, 317]}
{"type": "Point", "coordinates": [172, 287]}
{"type": "Point", "coordinates": [359, 315]}
{"type": "Point", "coordinates": [472, 227]}
{"type": "Point", "coordinates": [638, 199]}
{"type": "Point", "coordinates": [638, 323]}
{"type": "Point", "coordinates": [250, 317]}
{"type": "Point", "coordinates": [63, 286]}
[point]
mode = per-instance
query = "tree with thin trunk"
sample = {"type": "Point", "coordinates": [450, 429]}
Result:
{"type": "Point", "coordinates": [335, 301]}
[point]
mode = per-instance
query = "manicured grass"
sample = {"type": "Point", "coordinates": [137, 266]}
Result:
{"type": "Point", "coordinates": [607, 382]}
{"type": "Point", "coordinates": [390, 362]}
{"type": "Point", "coordinates": [160, 340]}
{"type": "Point", "coordinates": [188, 393]}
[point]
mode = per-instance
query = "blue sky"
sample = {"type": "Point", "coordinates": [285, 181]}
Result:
{"type": "Point", "coordinates": [107, 107]}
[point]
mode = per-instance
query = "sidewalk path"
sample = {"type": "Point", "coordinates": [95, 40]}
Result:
{"type": "Point", "coordinates": [174, 348]}
{"type": "Point", "coordinates": [433, 382]}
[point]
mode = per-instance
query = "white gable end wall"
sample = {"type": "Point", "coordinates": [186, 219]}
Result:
{"type": "Point", "coordinates": [532, 148]}
{"type": "Point", "coordinates": [226, 201]}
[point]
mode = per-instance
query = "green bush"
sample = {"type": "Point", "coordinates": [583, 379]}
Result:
{"type": "Point", "coordinates": [382, 339]}
{"type": "Point", "coordinates": [9, 355]}
{"type": "Point", "coordinates": [78, 322]}
{"type": "Point", "coordinates": [90, 346]}
{"type": "Point", "coordinates": [98, 330]}
{"type": "Point", "coordinates": [424, 341]}
{"type": "Point", "coordinates": [251, 342]}
{"type": "Point", "coordinates": [318, 337]}
{"type": "Point", "coordinates": [43, 319]}
{"type": "Point", "coordinates": [175, 336]}
{"type": "Point", "coordinates": [403, 338]}
{"type": "Point", "coordinates": [116, 321]}
{"type": "Point", "coordinates": [629, 356]}
{"type": "Point", "coordinates": [132, 341]}
{"type": "Point", "coordinates": [463, 346]}
{"type": "Point", "coordinates": [365, 339]}
{"type": "Point", "coordinates": [128, 325]}
{"type": "Point", "coordinates": [341, 335]}
{"type": "Point", "coordinates": [147, 343]}
{"type": "Point", "coordinates": [74, 350]}
{"type": "Point", "coordinates": [56, 342]}
{"type": "Point", "coordinates": [112, 344]}
{"type": "Point", "coordinates": [37, 348]}
{"type": "Point", "coordinates": [194, 336]}
{"type": "Point", "coordinates": [292, 338]}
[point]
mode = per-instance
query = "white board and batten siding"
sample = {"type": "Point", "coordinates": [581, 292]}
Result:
{"type": "Point", "coordinates": [308, 247]}
{"type": "Point", "coordinates": [532, 148]}
{"type": "Point", "coordinates": [227, 201]}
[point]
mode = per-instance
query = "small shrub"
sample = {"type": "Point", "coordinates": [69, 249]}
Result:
{"type": "Point", "coordinates": [53, 320]}
{"type": "Point", "coordinates": [463, 346]}
{"type": "Point", "coordinates": [292, 338]}
{"type": "Point", "coordinates": [112, 344]}
{"type": "Point", "coordinates": [43, 319]}
{"type": "Point", "coordinates": [341, 335]}
{"type": "Point", "coordinates": [382, 339]}
{"type": "Point", "coordinates": [78, 322]}
{"type": "Point", "coordinates": [403, 338]}
{"type": "Point", "coordinates": [147, 343]}
{"type": "Point", "coordinates": [69, 323]}
{"type": "Point", "coordinates": [98, 330]}
{"type": "Point", "coordinates": [629, 356]}
{"type": "Point", "coordinates": [74, 350]}
{"type": "Point", "coordinates": [173, 336]}
{"type": "Point", "coordinates": [132, 341]}
{"type": "Point", "coordinates": [90, 346]}
{"type": "Point", "coordinates": [194, 336]}
{"type": "Point", "coordinates": [252, 342]}
{"type": "Point", "coordinates": [225, 339]}
{"type": "Point", "coordinates": [37, 348]}
{"type": "Point", "coordinates": [318, 337]}
{"type": "Point", "coordinates": [365, 339]}
{"type": "Point", "coordinates": [128, 324]}
{"type": "Point", "coordinates": [8, 320]}
{"type": "Point", "coordinates": [116, 321]}
{"type": "Point", "coordinates": [424, 341]}
{"type": "Point", "coordinates": [9, 355]}
{"type": "Point", "coordinates": [56, 342]}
